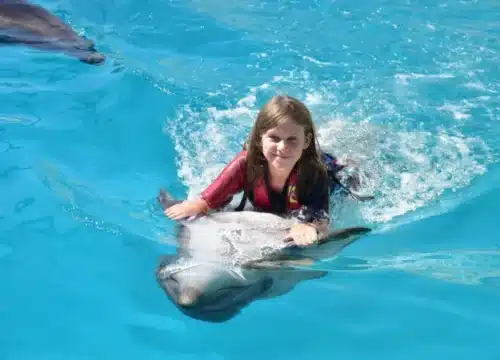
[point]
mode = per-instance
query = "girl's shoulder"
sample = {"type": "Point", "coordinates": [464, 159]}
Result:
{"type": "Point", "coordinates": [238, 163]}
{"type": "Point", "coordinates": [241, 157]}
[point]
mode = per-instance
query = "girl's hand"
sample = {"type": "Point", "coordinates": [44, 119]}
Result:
{"type": "Point", "coordinates": [303, 234]}
{"type": "Point", "coordinates": [186, 209]}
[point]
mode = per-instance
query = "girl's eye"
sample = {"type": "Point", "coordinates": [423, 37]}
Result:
{"type": "Point", "coordinates": [274, 138]}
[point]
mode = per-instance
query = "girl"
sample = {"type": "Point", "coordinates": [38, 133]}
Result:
{"type": "Point", "coordinates": [280, 171]}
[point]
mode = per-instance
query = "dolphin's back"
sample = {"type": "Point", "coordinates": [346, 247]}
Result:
{"type": "Point", "coordinates": [244, 237]}
{"type": "Point", "coordinates": [233, 237]}
{"type": "Point", "coordinates": [250, 220]}
{"type": "Point", "coordinates": [32, 23]}
{"type": "Point", "coordinates": [12, 2]}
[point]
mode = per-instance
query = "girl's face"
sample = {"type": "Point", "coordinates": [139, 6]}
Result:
{"type": "Point", "coordinates": [283, 145]}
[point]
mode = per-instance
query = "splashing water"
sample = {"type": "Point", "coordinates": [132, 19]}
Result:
{"type": "Point", "coordinates": [406, 168]}
{"type": "Point", "coordinates": [468, 267]}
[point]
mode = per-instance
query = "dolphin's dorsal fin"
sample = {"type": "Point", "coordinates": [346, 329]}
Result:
{"type": "Point", "coordinates": [345, 233]}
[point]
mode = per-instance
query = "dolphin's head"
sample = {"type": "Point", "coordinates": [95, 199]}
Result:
{"type": "Point", "coordinates": [209, 292]}
{"type": "Point", "coordinates": [226, 260]}
{"type": "Point", "coordinates": [84, 49]}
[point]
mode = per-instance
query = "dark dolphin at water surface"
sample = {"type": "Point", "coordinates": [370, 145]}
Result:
{"type": "Point", "coordinates": [226, 260]}
{"type": "Point", "coordinates": [32, 25]}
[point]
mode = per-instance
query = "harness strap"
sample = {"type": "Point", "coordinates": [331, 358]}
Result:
{"type": "Point", "coordinates": [243, 201]}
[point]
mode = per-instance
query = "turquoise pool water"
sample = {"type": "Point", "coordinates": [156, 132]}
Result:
{"type": "Point", "coordinates": [411, 88]}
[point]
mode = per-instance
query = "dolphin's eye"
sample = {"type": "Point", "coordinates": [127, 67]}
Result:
{"type": "Point", "coordinates": [164, 274]}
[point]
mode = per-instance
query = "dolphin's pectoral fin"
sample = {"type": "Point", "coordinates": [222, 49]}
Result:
{"type": "Point", "coordinates": [288, 279]}
{"type": "Point", "coordinates": [279, 261]}
{"type": "Point", "coordinates": [278, 264]}
{"type": "Point", "coordinates": [166, 199]}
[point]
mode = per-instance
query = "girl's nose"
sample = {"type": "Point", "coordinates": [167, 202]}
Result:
{"type": "Point", "coordinates": [282, 146]}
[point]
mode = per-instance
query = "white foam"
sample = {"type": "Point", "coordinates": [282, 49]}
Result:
{"type": "Point", "coordinates": [404, 78]}
{"type": "Point", "coordinates": [406, 169]}
{"type": "Point", "coordinates": [458, 112]}
{"type": "Point", "coordinates": [316, 61]}
{"type": "Point", "coordinates": [313, 98]}
{"type": "Point", "coordinates": [205, 142]}
{"type": "Point", "coordinates": [468, 267]}
{"type": "Point", "coordinates": [478, 86]}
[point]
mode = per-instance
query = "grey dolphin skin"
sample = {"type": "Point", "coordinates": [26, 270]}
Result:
{"type": "Point", "coordinates": [22, 23]}
{"type": "Point", "coordinates": [226, 260]}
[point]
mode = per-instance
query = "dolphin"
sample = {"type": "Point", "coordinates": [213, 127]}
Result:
{"type": "Point", "coordinates": [226, 260]}
{"type": "Point", "coordinates": [32, 25]}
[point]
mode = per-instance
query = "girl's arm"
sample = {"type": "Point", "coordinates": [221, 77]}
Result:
{"type": "Point", "coordinates": [218, 194]}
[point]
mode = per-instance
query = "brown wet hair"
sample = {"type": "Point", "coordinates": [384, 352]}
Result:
{"type": "Point", "coordinates": [277, 110]}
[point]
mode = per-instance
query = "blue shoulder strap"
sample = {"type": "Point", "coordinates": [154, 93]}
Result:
{"type": "Point", "coordinates": [332, 168]}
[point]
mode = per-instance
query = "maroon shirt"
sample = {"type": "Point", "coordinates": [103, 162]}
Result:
{"type": "Point", "coordinates": [232, 180]}
{"type": "Point", "coordinates": [229, 182]}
